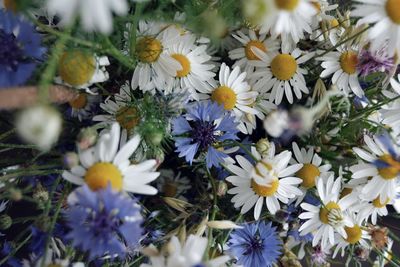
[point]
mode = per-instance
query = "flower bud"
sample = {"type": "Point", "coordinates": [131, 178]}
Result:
{"type": "Point", "coordinates": [222, 189]}
{"type": "Point", "coordinates": [5, 222]}
{"type": "Point", "coordinates": [41, 195]}
{"type": "Point", "coordinates": [15, 194]}
{"type": "Point", "coordinates": [87, 138]}
{"type": "Point", "coordinates": [262, 146]}
{"type": "Point", "coordinates": [40, 126]}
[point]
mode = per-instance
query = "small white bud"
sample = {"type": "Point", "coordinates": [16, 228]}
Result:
{"type": "Point", "coordinates": [39, 125]}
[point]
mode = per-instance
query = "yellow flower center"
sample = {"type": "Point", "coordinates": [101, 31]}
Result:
{"type": "Point", "coordinates": [148, 49]}
{"type": "Point", "coordinates": [10, 5]}
{"type": "Point", "coordinates": [288, 5]}
{"type": "Point", "coordinates": [101, 174]}
{"type": "Point", "coordinates": [254, 43]}
{"type": "Point", "coordinates": [308, 174]}
{"type": "Point", "coordinates": [127, 117]}
{"type": "Point", "coordinates": [393, 10]}
{"type": "Point", "coordinates": [76, 67]}
{"type": "Point", "coordinates": [346, 191]}
{"type": "Point", "coordinates": [334, 23]}
{"type": "Point", "coordinates": [348, 62]}
{"type": "Point", "coordinates": [324, 211]}
{"type": "Point", "coordinates": [224, 95]}
{"type": "Point", "coordinates": [390, 172]}
{"type": "Point", "coordinates": [283, 67]}
{"type": "Point", "coordinates": [377, 203]}
{"type": "Point", "coordinates": [185, 63]}
{"type": "Point", "coordinates": [79, 102]}
{"type": "Point", "coordinates": [353, 234]}
{"type": "Point", "coordinates": [265, 191]}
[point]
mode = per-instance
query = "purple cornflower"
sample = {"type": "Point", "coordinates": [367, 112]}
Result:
{"type": "Point", "coordinates": [104, 222]}
{"type": "Point", "coordinates": [203, 126]}
{"type": "Point", "coordinates": [20, 49]}
{"type": "Point", "coordinates": [255, 245]}
{"type": "Point", "coordinates": [374, 61]}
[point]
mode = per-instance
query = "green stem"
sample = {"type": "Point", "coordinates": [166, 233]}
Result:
{"type": "Point", "coordinates": [29, 173]}
{"type": "Point", "coordinates": [20, 245]}
{"type": "Point", "coordinates": [213, 212]}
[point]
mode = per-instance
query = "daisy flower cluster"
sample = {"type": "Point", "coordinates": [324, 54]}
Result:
{"type": "Point", "coordinates": [199, 133]}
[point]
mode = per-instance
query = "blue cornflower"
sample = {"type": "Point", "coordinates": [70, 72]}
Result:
{"type": "Point", "coordinates": [104, 222]}
{"type": "Point", "coordinates": [255, 245]}
{"type": "Point", "coordinates": [5, 251]}
{"type": "Point", "coordinates": [200, 129]}
{"type": "Point", "coordinates": [20, 49]}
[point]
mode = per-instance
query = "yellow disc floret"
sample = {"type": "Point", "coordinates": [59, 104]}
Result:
{"type": "Point", "coordinates": [393, 10]}
{"type": "Point", "coordinates": [287, 4]}
{"type": "Point", "coordinates": [224, 95]}
{"type": "Point", "coordinates": [148, 49]}
{"type": "Point", "coordinates": [101, 174]}
{"type": "Point", "coordinates": [283, 67]}
{"type": "Point", "coordinates": [127, 117]}
{"type": "Point", "coordinates": [79, 102]}
{"type": "Point", "coordinates": [377, 203]}
{"type": "Point", "coordinates": [390, 172]}
{"type": "Point", "coordinates": [354, 234]}
{"type": "Point", "coordinates": [324, 211]}
{"type": "Point", "coordinates": [308, 174]}
{"type": "Point", "coordinates": [263, 190]}
{"type": "Point", "coordinates": [185, 63]}
{"type": "Point", "coordinates": [348, 62]}
{"type": "Point", "coordinates": [249, 53]}
{"type": "Point", "coordinates": [76, 67]}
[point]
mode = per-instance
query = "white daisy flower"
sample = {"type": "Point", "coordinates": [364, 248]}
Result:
{"type": "Point", "coordinates": [373, 209]}
{"type": "Point", "coordinates": [380, 165]}
{"type": "Point", "coordinates": [196, 72]}
{"type": "Point", "coordinates": [155, 63]}
{"type": "Point", "coordinates": [249, 39]}
{"type": "Point", "coordinates": [324, 220]}
{"type": "Point", "coordinates": [269, 180]}
{"type": "Point", "coordinates": [80, 69]}
{"type": "Point", "coordinates": [280, 73]}
{"type": "Point", "coordinates": [289, 18]}
{"type": "Point", "coordinates": [386, 16]}
{"type": "Point", "coordinates": [82, 106]}
{"type": "Point", "coordinates": [312, 169]}
{"type": "Point", "coordinates": [343, 65]}
{"type": "Point", "coordinates": [106, 164]}
{"type": "Point", "coordinates": [185, 254]}
{"type": "Point", "coordinates": [390, 113]}
{"type": "Point", "coordinates": [356, 235]}
{"type": "Point", "coordinates": [94, 15]}
{"type": "Point", "coordinates": [121, 109]}
{"type": "Point", "coordinates": [234, 93]}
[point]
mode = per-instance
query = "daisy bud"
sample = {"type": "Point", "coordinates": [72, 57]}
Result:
{"type": "Point", "coordinates": [41, 195]}
{"type": "Point", "coordinates": [87, 138]}
{"type": "Point", "coordinates": [15, 194]}
{"type": "Point", "coordinates": [263, 146]}
{"type": "Point", "coordinates": [71, 159]}
{"type": "Point", "coordinates": [222, 189]}
{"type": "Point", "coordinates": [39, 125]}
{"type": "Point", "coordinates": [5, 222]}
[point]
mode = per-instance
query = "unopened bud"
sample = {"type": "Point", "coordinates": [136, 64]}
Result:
{"type": "Point", "coordinates": [41, 196]}
{"type": "Point", "coordinates": [263, 145]}
{"type": "Point", "coordinates": [87, 138]}
{"type": "Point", "coordinates": [15, 194]}
{"type": "Point", "coordinates": [222, 189]}
{"type": "Point", "coordinates": [5, 222]}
